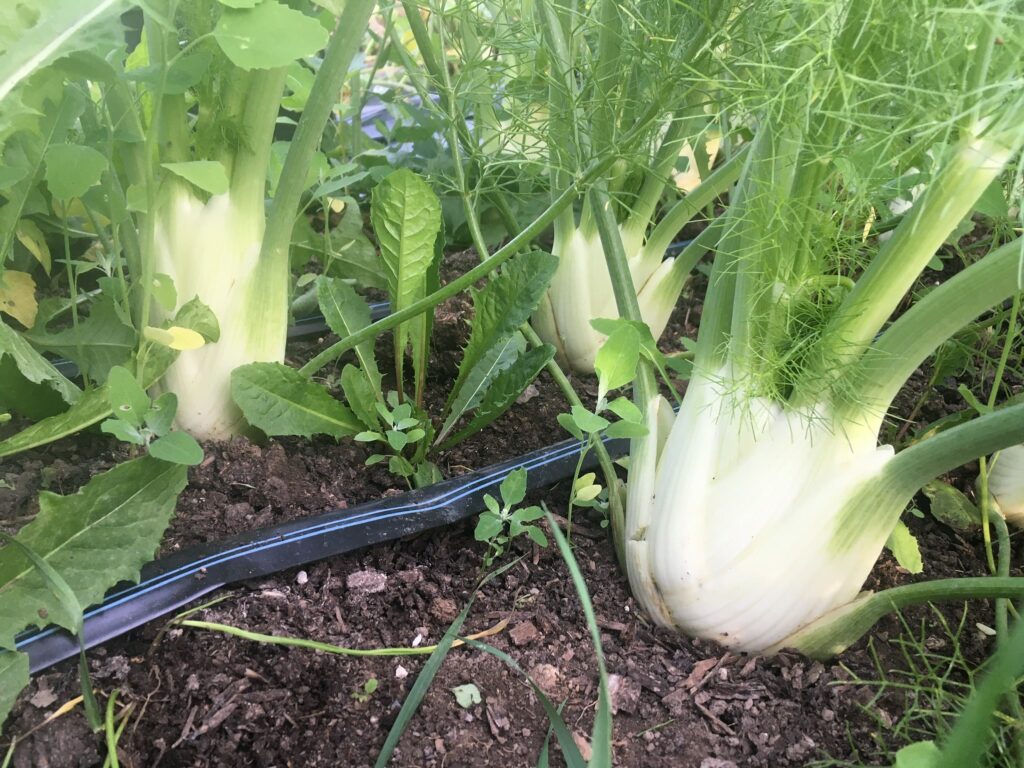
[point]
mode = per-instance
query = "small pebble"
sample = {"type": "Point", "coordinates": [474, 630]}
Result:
{"type": "Point", "coordinates": [301, 578]}
{"type": "Point", "coordinates": [401, 672]}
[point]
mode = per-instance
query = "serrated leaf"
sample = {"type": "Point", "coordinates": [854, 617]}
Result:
{"type": "Point", "coordinates": [209, 175]}
{"type": "Point", "coordinates": [30, 236]}
{"type": "Point", "coordinates": [616, 360]}
{"type": "Point", "coordinates": [504, 304]}
{"type": "Point", "coordinates": [904, 548]}
{"type": "Point", "coordinates": [281, 401]}
{"type": "Point", "coordinates": [346, 313]}
{"type": "Point", "coordinates": [406, 217]}
{"type": "Point", "coordinates": [94, 539]}
{"type": "Point", "coordinates": [504, 390]}
{"type": "Point", "coordinates": [951, 507]}
{"type": "Point", "coordinates": [18, 296]}
{"type": "Point", "coordinates": [360, 395]}
{"type": "Point", "coordinates": [13, 678]}
{"type": "Point", "coordinates": [101, 341]}
{"type": "Point", "coordinates": [72, 169]}
{"type": "Point", "coordinates": [513, 487]}
{"type": "Point", "coordinates": [268, 36]}
{"type": "Point", "coordinates": [177, 448]}
{"type": "Point", "coordinates": [471, 393]}
{"type": "Point", "coordinates": [91, 408]}
{"type": "Point", "coordinates": [34, 366]}
{"type": "Point", "coordinates": [127, 398]}
{"type": "Point", "coordinates": [33, 35]}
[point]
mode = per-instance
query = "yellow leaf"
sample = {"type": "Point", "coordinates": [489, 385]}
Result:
{"type": "Point", "coordinates": [32, 238]}
{"type": "Point", "coordinates": [174, 337]}
{"type": "Point", "coordinates": [18, 297]}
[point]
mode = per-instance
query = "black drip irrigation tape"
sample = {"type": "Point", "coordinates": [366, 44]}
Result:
{"type": "Point", "coordinates": [171, 582]}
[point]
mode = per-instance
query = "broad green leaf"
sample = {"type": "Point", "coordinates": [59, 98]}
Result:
{"type": "Point", "coordinates": [992, 202]}
{"type": "Point", "coordinates": [33, 366]}
{"type": "Point", "coordinates": [268, 36]}
{"type": "Point", "coordinates": [123, 431]}
{"type": "Point", "coordinates": [160, 416]}
{"type": "Point", "coordinates": [177, 448]}
{"type": "Point", "coordinates": [101, 341]}
{"type": "Point", "coordinates": [30, 236]}
{"type": "Point", "coordinates": [281, 401]}
{"type": "Point", "coordinates": [34, 34]}
{"type": "Point", "coordinates": [504, 390]}
{"type": "Point", "coordinates": [127, 398]}
{"type": "Point", "coordinates": [628, 429]}
{"type": "Point", "coordinates": [209, 175]}
{"type": "Point", "coordinates": [18, 296]}
{"type": "Point", "coordinates": [406, 217]}
{"type": "Point", "coordinates": [567, 423]}
{"type": "Point", "coordinates": [467, 695]}
{"type": "Point", "coordinates": [91, 408]}
{"type": "Point", "coordinates": [360, 396]}
{"type": "Point", "coordinates": [165, 292]}
{"type": "Point", "coordinates": [200, 318]}
{"type": "Point", "coordinates": [950, 506]}
{"type": "Point", "coordinates": [617, 359]}
{"type": "Point", "coordinates": [13, 678]}
{"type": "Point", "coordinates": [175, 337]}
{"type": "Point", "coordinates": [488, 526]}
{"type": "Point", "coordinates": [502, 305]}
{"type": "Point", "coordinates": [72, 169]}
{"type": "Point", "coordinates": [25, 153]}
{"type": "Point", "coordinates": [904, 548]}
{"type": "Point", "coordinates": [920, 754]}
{"type": "Point", "coordinates": [497, 359]}
{"type": "Point", "coordinates": [183, 73]}
{"type": "Point", "coordinates": [513, 487]}
{"type": "Point", "coordinates": [587, 421]}
{"type": "Point", "coordinates": [346, 312]}
{"type": "Point", "coordinates": [94, 539]}
{"type": "Point", "coordinates": [625, 409]}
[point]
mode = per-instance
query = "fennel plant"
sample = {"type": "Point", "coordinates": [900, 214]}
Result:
{"type": "Point", "coordinates": [756, 514]}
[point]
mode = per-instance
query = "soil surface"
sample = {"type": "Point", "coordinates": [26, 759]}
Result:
{"type": "Point", "coordinates": [202, 698]}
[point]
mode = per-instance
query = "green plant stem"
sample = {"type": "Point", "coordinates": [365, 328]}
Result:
{"type": "Point", "coordinates": [908, 342]}
{"type": "Point", "coordinates": [484, 268]}
{"type": "Point", "coordinates": [322, 98]}
{"type": "Point", "coordinates": [837, 631]}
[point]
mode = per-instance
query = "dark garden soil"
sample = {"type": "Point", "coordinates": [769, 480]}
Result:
{"type": "Point", "coordinates": [200, 698]}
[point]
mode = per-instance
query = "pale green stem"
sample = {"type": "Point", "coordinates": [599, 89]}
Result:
{"type": "Point", "coordinates": [947, 200]}
{"type": "Point", "coordinates": [886, 366]}
{"type": "Point", "coordinates": [834, 633]}
{"type": "Point", "coordinates": [680, 214]}
{"type": "Point", "coordinates": [322, 97]}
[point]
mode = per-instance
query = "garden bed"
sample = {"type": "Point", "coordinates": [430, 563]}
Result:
{"type": "Point", "coordinates": [206, 699]}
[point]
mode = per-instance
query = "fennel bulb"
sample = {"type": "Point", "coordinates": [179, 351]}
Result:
{"type": "Point", "coordinates": [743, 536]}
{"type": "Point", "coordinates": [211, 250]}
{"type": "Point", "coordinates": [1006, 484]}
{"type": "Point", "coordinates": [581, 291]}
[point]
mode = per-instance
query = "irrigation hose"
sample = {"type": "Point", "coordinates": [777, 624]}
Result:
{"type": "Point", "coordinates": [170, 582]}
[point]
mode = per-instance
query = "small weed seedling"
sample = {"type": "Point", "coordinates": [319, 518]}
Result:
{"type": "Point", "coordinates": [500, 524]}
{"type": "Point", "coordinates": [403, 429]}
{"type": "Point", "coordinates": [140, 421]}
{"type": "Point", "coordinates": [369, 688]}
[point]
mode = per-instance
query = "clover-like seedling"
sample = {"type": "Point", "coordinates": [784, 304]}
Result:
{"type": "Point", "coordinates": [501, 523]}
{"type": "Point", "coordinates": [137, 420]}
{"type": "Point", "coordinates": [403, 429]}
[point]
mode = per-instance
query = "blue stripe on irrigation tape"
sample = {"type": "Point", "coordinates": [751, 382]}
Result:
{"type": "Point", "coordinates": [171, 582]}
